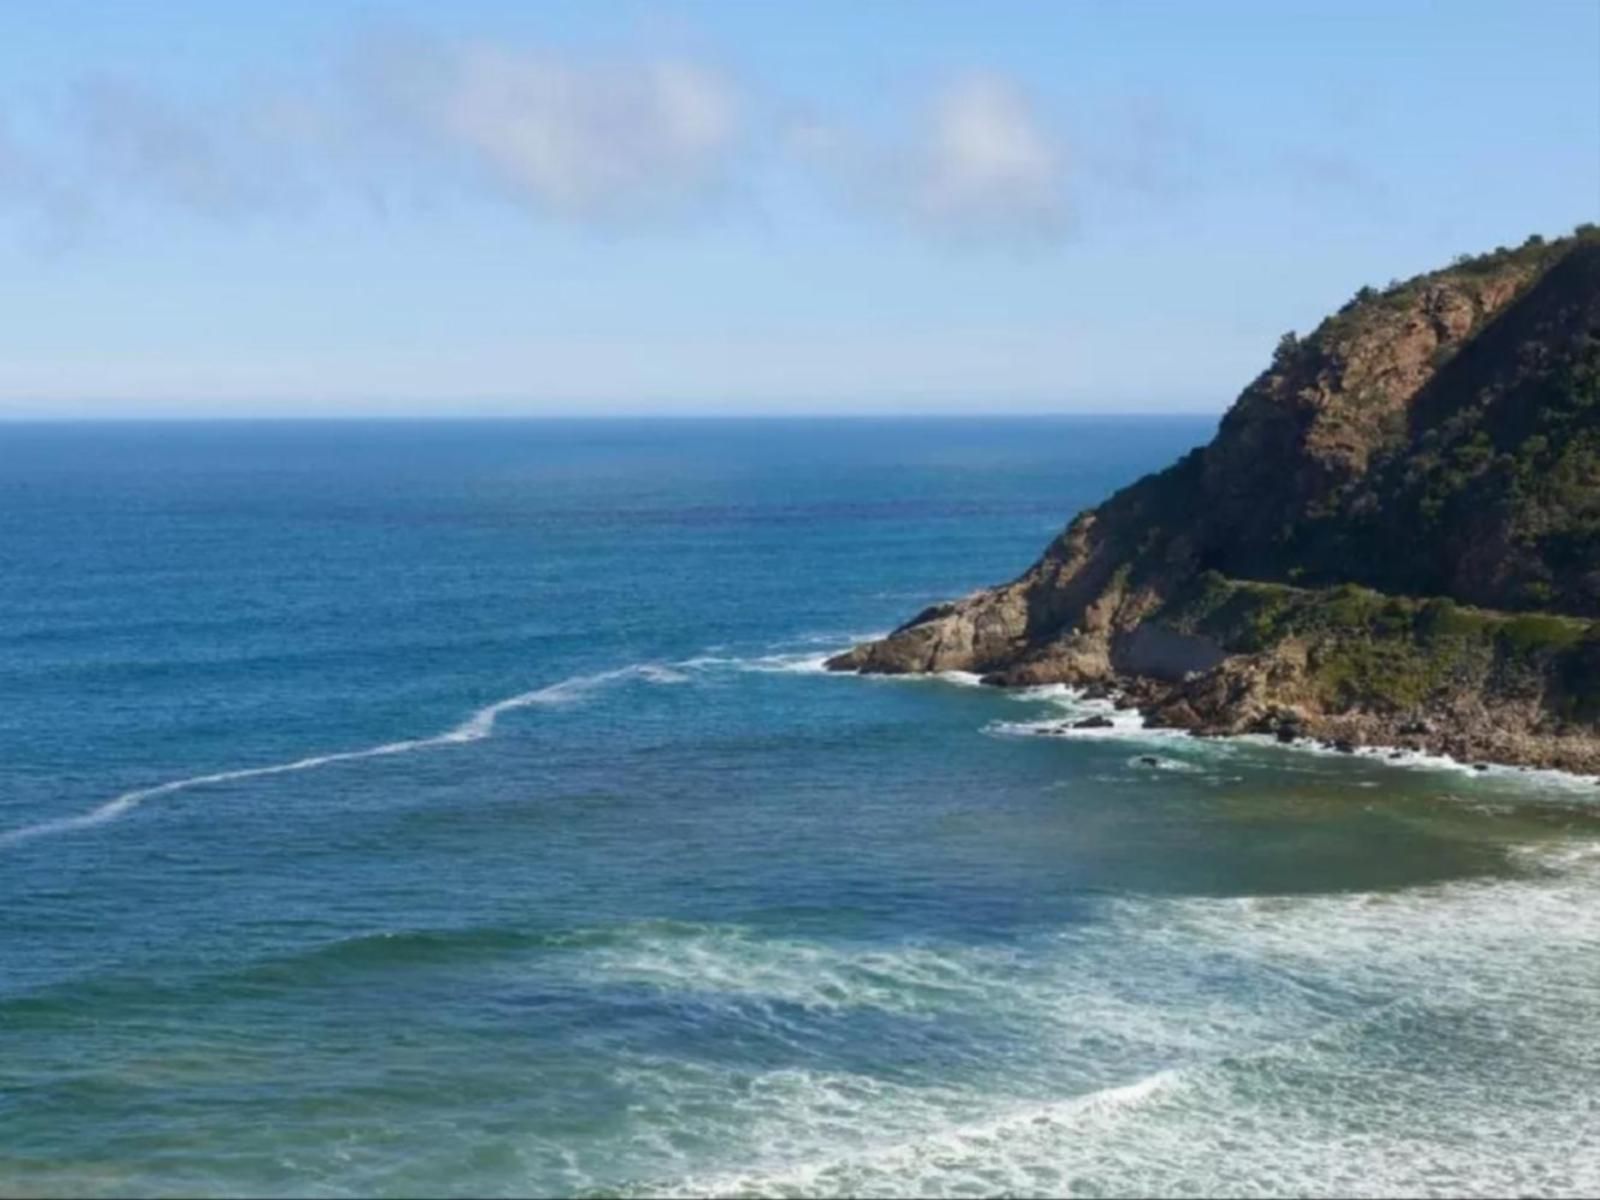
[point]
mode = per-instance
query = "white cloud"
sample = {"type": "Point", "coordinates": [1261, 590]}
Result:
{"type": "Point", "coordinates": [980, 162]}
{"type": "Point", "coordinates": [601, 142]}
{"type": "Point", "coordinates": [607, 141]}
{"type": "Point", "coordinates": [989, 160]}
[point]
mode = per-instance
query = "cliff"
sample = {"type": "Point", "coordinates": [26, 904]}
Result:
{"type": "Point", "coordinates": [1393, 538]}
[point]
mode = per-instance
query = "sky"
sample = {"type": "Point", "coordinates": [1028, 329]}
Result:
{"type": "Point", "coordinates": [503, 208]}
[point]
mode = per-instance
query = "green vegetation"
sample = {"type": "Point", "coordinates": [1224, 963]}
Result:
{"type": "Point", "coordinates": [1534, 632]}
{"type": "Point", "coordinates": [1403, 512]}
{"type": "Point", "coordinates": [1283, 354]}
{"type": "Point", "coordinates": [1391, 652]}
{"type": "Point", "coordinates": [1374, 305]}
{"type": "Point", "coordinates": [1496, 259]}
{"type": "Point", "coordinates": [1483, 483]}
{"type": "Point", "coordinates": [1580, 681]}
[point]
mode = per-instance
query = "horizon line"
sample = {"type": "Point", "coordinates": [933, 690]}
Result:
{"type": "Point", "coordinates": [165, 418]}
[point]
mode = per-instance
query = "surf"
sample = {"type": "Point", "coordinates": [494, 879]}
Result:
{"type": "Point", "coordinates": [477, 727]}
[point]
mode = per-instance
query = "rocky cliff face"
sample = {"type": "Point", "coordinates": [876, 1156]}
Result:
{"type": "Point", "coordinates": [1440, 439]}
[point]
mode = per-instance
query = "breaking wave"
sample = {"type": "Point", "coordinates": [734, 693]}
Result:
{"type": "Point", "coordinates": [1076, 716]}
{"type": "Point", "coordinates": [1431, 1041]}
{"type": "Point", "coordinates": [476, 727]}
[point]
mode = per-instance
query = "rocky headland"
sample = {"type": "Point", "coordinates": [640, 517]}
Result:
{"type": "Point", "coordinates": [1393, 539]}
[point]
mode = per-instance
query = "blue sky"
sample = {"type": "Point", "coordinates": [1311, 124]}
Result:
{"type": "Point", "coordinates": [494, 208]}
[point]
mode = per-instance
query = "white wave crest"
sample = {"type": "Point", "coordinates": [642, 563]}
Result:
{"type": "Point", "coordinates": [1093, 719]}
{"type": "Point", "coordinates": [475, 728]}
{"type": "Point", "coordinates": [1434, 1040]}
{"type": "Point", "coordinates": [981, 1156]}
{"type": "Point", "coordinates": [781, 658]}
{"type": "Point", "coordinates": [1399, 756]}
{"type": "Point", "coordinates": [788, 664]}
{"type": "Point", "coordinates": [1073, 707]}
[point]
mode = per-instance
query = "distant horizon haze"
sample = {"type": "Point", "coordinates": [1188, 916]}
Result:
{"type": "Point", "coordinates": [378, 413]}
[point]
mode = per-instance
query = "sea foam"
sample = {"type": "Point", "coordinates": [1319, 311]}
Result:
{"type": "Point", "coordinates": [1072, 705]}
{"type": "Point", "coordinates": [1434, 1040]}
{"type": "Point", "coordinates": [476, 727]}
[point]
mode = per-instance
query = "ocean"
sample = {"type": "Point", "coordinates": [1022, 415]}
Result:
{"type": "Point", "coordinates": [460, 808]}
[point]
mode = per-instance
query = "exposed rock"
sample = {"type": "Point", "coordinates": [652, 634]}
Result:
{"type": "Point", "coordinates": [1094, 722]}
{"type": "Point", "coordinates": [1437, 439]}
{"type": "Point", "coordinates": [1161, 653]}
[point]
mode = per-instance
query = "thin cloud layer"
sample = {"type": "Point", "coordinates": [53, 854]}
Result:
{"type": "Point", "coordinates": [988, 162]}
{"type": "Point", "coordinates": [979, 163]}
{"type": "Point", "coordinates": [579, 141]}
{"type": "Point", "coordinates": [134, 139]}
{"type": "Point", "coordinates": [640, 141]}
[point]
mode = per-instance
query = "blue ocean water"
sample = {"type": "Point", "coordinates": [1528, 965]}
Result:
{"type": "Point", "coordinates": [459, 808]}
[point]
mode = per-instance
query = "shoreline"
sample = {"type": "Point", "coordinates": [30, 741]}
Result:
{"type": "Point", "coordinates": [1388, 755]}
{"type": "Point", "coordinates": [1392, 754]}
{"type": "Point", "coordinates": [1112, 702]}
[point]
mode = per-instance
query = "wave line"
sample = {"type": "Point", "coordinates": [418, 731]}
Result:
{"type": "Point", "coordinates": [475, 728]}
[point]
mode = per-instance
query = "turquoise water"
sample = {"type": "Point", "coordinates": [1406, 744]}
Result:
{"type": "Point", "coordinates": [460, 809]}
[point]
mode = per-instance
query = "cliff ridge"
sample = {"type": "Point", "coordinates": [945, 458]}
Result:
{"type": "Point", "coordinates": [1394, 538]}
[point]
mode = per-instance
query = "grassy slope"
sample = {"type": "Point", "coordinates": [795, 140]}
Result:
{"type": "Point", "coordinates": [1394, 653]}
